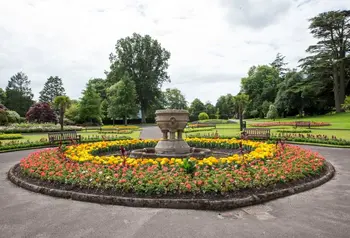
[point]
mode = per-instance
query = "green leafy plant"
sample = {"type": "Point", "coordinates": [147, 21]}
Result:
{"type": "Point", "coordinates": [189, 166]}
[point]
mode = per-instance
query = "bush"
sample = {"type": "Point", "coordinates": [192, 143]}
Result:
{"type": "Point", "coordinates": [3, 107]}
{"type": "Point", "coordinates": [10, 136]}
{"type": "Point", "coordinates": [3, 117]}
{"type": "Point", "coordinates": [203, 116]}
{"type": "Point", "coordinates": [41, 113]}
{"type": "Point", "coordinates": [32, 127]}
{"type": "Point", "coordinates": [68, 122]}
{"type": "Point", "coordinates": [346, 105]}
{"type": "Point", "coordinates": [22, 120]}
{"type": "Point", "coordinates": [13, 116]}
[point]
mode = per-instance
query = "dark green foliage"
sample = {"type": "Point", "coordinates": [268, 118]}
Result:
{"type": "Point", "coordinates": [18, 94]}
{"type": "Point", "coordinates": [145, 62]}
{"type": "Point", "coordinates": [90, 106]}
{"type": "Point", "coordinates": [174, 99]}
{"type": "Point", "coordinates": [225, 105]}
{"type": "Point", "coordinates": [2, 96]}
{"type": "Point", "coordinates": [196, 107]}
{"type": "Point", "coordinates": [122, 100]}
{"type": "Point", "coordinates": [52, 88]}
{"type": "Point", "coordinates": [13, 117]}
{"type": "Point", "coordinates": [3, 117]}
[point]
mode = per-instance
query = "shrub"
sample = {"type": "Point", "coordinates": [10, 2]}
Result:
{"type": "Point", "coordinates": [3, 117]}
{"type": "Point", "coordinates": [32, 127]}
{"type": "Point", "coordinates": [13, 116]}
{"type": "Point", "coordinates": [203, 116]}
{"type": "Point", "coordinates": [272, 113]}
{"type": "Point", "coordinates": [346, 105]}
{"type": "Point", "coordinates": [10, 136]}
{"type": "Point", "coordinates": [41, 113]}
{"type": "Point", "coordinates": [2, 107]}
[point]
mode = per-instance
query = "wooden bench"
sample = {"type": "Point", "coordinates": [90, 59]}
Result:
{"type": "Point", "coordinates": [255, 133]}
{"type": "Point", "coordinates": [63, 136]}
{"type": "Point", "coordinates": [303, 124]}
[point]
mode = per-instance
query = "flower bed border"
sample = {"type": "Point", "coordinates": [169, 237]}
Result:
{"type": "Point", "coordinates": [176, 203]}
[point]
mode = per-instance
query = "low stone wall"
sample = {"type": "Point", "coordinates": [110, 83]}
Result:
{"type": "Point", "coordinates": [200, 204]}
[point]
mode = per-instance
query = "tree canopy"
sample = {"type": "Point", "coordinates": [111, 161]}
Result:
{"type": "Point", "coordinates": [53, 87]}
{"type": "Point", "coordinates": [122, 100]}
{"type": "Point", "coordinates": [146, 63]}
{"type": "Point", "coordinates": [19, 96]}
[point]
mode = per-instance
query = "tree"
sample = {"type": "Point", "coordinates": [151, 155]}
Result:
{"type": "Point", "coordinates": [241, 101]}
{"type": "Point", "coordinates": [18, 94]}
{"type": "Point", "coordinates": [265, 107]}
{"type": "Point", "coordinates": [90, 106]}
{"type": "Point", "coordinates": [72, 112]}
{"type": "Point", "coordinates": [41, 113]}
{"type": "Point", "coordinates": [260, 85]}
{"type": "Point", "coordinates": [122, 100]}
{"type": "Point", "coordinates": [226, 106]}
{"type": "Point", "coordinates": [203, 116]}
{"type": "Point", "coordinates": [53, 88]}
{"type": "Point", "coordinates": [196, 107]}
{"type": "Point", "coordinates": [174, 99]}
{"type": "Point", "coordinates": [332, 29]}
{"type": "Point", "coordinates": [272, 113]}
{"type": "Point", "coordinates": [210, 110]}
{"type": "Point", "coordinates": [146, 62]}
{"type": "Point", "coordinates": [2, 96]}
{"type": "Point", "coordinates": [279, 64]}
{"type": "Point", "coordinates": [62, 103]}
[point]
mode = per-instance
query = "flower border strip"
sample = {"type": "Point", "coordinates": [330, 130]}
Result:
{"type": "Point", "coordinates": [198, 204]}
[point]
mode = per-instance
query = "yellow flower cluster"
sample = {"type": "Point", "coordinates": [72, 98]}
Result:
{"type": "Point", "coordinates": [82, 153]}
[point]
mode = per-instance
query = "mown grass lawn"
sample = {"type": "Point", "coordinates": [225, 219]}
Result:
{"type": "Point", "coordinates": [340, 126]}
{"type": "Point", "coordinates": [338, 121]}
{"type": "Point", "coordinates": [37, 136]}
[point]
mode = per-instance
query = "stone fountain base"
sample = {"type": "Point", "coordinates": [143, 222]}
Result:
{"type": "Point", "coordinates": [172, 147]}
{"type": "Point", "coordinates": [151, 153]}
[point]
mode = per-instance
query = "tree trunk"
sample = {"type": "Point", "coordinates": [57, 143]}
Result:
{"type": "Point", "coordinates": [113, 121]}
{"type": "Point", "coordinates": [240, 119]}
{"type": "Point", "coordinates": [61, 118]}
{"type": "Point", "coordinates": [336, 88]}
{"type": "Point", "coordinates": [125, 121]}
{"type": "Point", "coordinates": [143, 115]}
{"type": "Point", "coordinates": [342, 80]}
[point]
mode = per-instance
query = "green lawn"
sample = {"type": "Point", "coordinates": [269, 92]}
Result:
{"type": "Point", "coordinates": [37, 136]}
{"type": "Point", "coordinates": [341, 121]}
{"type": "Point", "coordinates": [338, 121]}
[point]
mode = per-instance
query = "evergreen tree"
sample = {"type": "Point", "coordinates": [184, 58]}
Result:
{"type": "Point", "coordinates": [52, 89]}
{"type": "Point", "coordinates": [90, 105]}
{"type": "Point", "coordinates": [18, 94]}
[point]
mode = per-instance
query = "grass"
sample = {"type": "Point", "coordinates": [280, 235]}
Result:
{"type": "Point", "coordinates": [338, 120]}
{"type": "Point", "coordinates": [38, 136]}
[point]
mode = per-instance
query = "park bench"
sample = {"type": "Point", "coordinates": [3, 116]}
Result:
{"type": "Point", "coordinates": [65, 136]}
{"type": "Point", "coordinates": [255, 133]}
{"type": "Point", "coordinates": [303, 124]}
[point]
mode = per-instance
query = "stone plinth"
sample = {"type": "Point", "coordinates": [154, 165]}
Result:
{"type": "Point", "coordinates": [172, 123]}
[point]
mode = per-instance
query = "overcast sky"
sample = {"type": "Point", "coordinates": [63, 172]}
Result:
{"type": "Point", "coordinates": [212, 42]}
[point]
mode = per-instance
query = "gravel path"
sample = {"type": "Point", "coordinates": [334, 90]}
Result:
{"type": "Point", "coordinates": [320, 212]}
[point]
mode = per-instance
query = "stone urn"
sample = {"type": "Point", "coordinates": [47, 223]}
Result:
{"type": "Point", "coordinates": [172, 123]}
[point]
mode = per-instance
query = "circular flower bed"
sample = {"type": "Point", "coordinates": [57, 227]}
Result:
{"type": "Point", "coordinates": [98, 167]}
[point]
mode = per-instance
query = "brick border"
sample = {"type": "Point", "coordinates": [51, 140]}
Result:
{"type": "Point", "coordinates": [198, 204]}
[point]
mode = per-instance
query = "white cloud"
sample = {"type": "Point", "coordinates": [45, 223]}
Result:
{"type": "Point", "coordinates": [213, 42]}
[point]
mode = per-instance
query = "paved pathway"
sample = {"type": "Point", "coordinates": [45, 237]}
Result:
{"type": "Point", "coordinates": [320, 212]}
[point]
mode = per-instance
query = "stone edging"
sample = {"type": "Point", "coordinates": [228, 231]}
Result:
{"type": "Point", "coordinates": [200, 204]}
